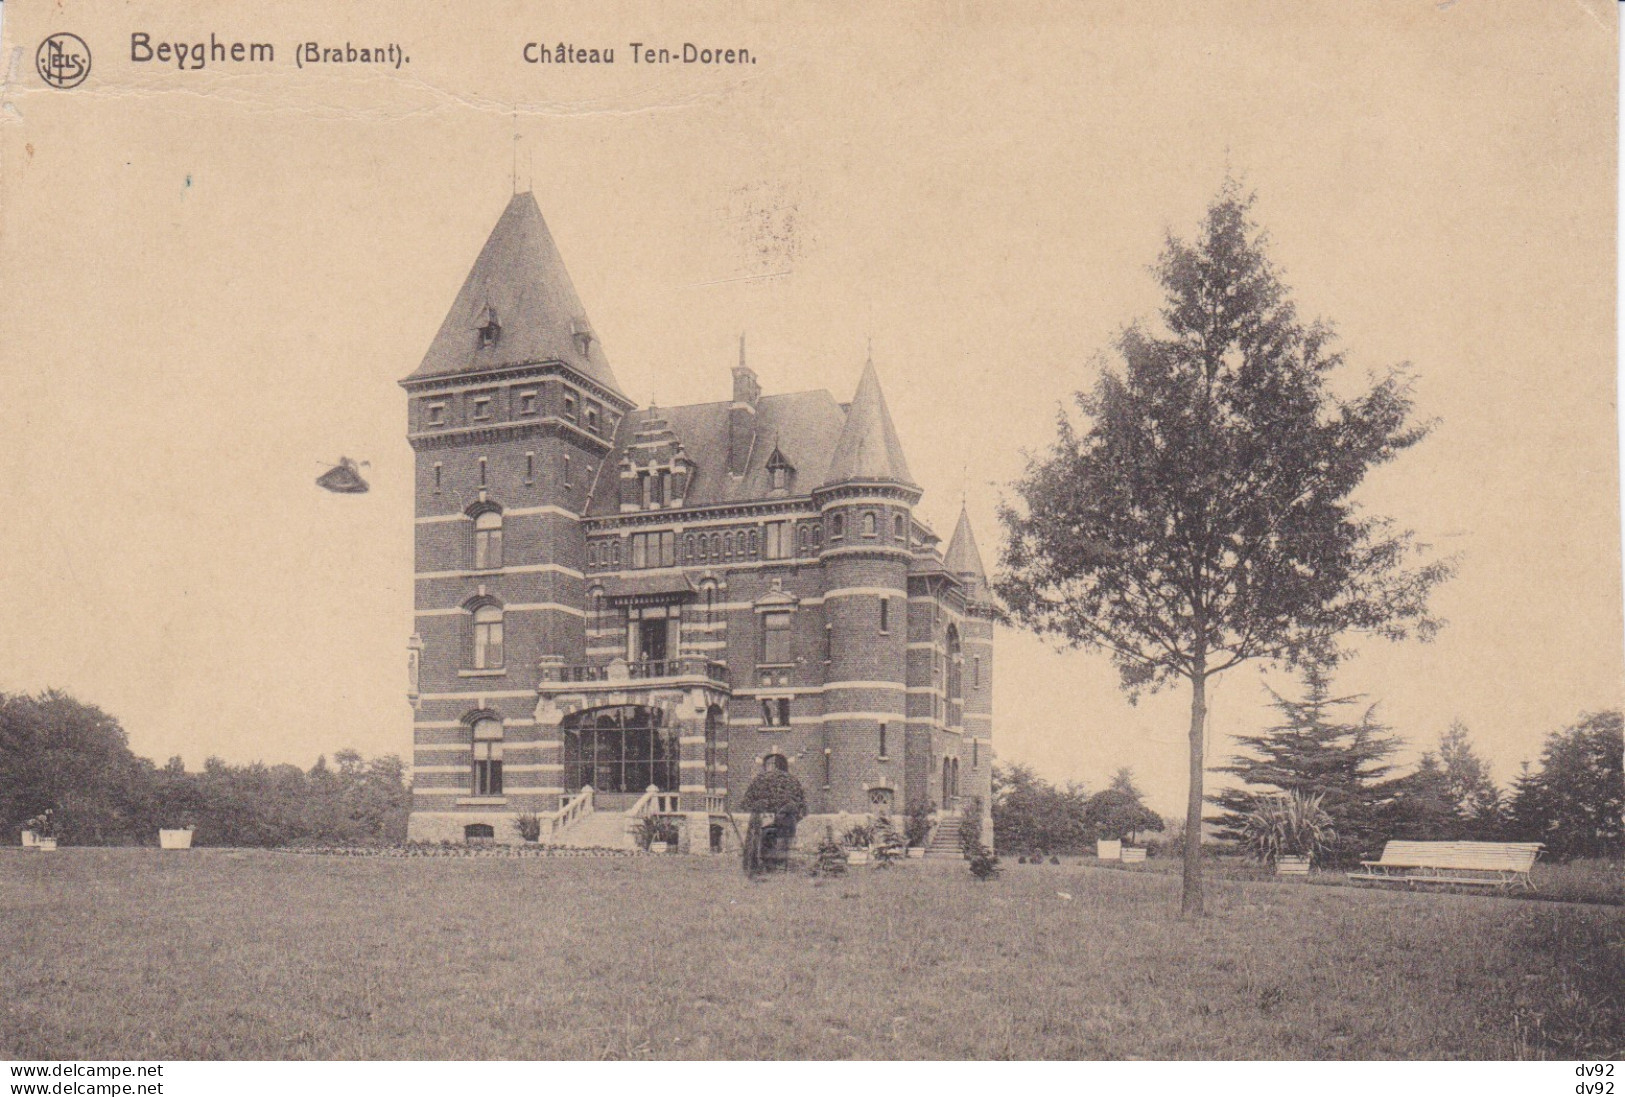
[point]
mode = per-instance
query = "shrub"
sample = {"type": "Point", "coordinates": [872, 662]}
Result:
{"type": "Point", "coordinates": [530, 826]}
{"type": "Point", "coordinates": [831, 859]}
{"type": "Point", "coordinates": [984, 864]}
{"type": "Point", "coordinates": [858, 836]}
{"type": "Point", "coordinates": [1293, 825]}
{"type": "Point", "coordinates": [888, 844]}
{"type": "Point", "coordinates": [970, 827]}
{"type": "Point", "coordinates": [917, 820]}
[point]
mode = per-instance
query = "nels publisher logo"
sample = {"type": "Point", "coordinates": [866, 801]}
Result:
{"type": "Point", "coordinates": [63, 60]}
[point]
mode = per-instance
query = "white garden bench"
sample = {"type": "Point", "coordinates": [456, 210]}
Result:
{"type": "Point", "coordinates": [1470, 864]}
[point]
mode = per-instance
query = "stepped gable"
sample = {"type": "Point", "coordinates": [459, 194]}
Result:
{"type": "Point", "coordinates": [517, 306]}
{"type": "Point", "coordinates": [869, 450]}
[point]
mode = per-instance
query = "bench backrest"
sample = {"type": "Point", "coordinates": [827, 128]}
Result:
{"type": "Point", "coordinates": [1490, 856]}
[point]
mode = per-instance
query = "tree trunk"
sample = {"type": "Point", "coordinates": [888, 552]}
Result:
{"type": "Point", "coordinates": [1190, 901]}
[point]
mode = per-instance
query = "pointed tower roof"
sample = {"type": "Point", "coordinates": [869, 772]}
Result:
{"type": "Point", "coordinates": [868, 448]}
{"type": "Point", "coordinates": [517, 306]}
{"type": "Point", "coordinates": [962, 558]}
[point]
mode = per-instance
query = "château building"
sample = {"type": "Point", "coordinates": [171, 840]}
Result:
{"type": "Point", "coordinates": [624, 611]}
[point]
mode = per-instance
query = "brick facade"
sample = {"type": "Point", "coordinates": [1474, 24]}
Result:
{"type": "Point", "coordinates": [671, 597]}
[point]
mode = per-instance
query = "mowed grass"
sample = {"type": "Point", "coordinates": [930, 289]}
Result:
{"type": "Point", "coordinates": [140, 954]}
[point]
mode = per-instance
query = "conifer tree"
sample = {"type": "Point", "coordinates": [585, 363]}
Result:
{"type": "Point", "coordinates": [1316, 749]}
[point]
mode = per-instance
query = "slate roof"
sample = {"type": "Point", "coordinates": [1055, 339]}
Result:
{"type": "Point", "coordinates": [520, 276]}
{"type": "Point", "coordinates": [962, 558]}
{"type": "Point", "coordinates": [869, 449]}
{"type": "Point", "coordinates": [804, 426]}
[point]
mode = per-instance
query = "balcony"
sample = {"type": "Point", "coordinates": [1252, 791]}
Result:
{"type": "Point", "coordinates": [616, 674]}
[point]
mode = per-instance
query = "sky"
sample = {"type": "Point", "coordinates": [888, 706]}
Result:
{"type": "Point", "coordinates": [215, 278]}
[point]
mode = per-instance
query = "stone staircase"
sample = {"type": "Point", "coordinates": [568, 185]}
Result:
{"type": "Point", "coordinates": [944, 841]}
{"type": "Point", "coordinates": [598, 830]}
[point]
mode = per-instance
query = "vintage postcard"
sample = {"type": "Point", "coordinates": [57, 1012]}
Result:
{"type": "Point", "coordinates": [910, 530]}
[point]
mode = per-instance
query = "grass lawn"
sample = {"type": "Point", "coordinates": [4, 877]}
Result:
{"type": "Point", "coordinates": [138, 954]}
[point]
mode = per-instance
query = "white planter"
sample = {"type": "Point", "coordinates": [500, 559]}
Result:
{"type": "Point", "coordinates": [179, 838]}
{"type": "Point", "coordinates": [1292, 866]}
{"type": "Point", "coordinates": [857, 857]}
{"type": "Point", "coordinates": [916, 852]}
{"type": "Point", "coordinates": [659, 847]}
{"type": "Point", "coordinates": [1109, 851]}
{"type": "Point", "coordinates": [1133, 856]}
{"type": "Point", "coordinates": [29, 838]}
{"type": "Point", "coordinates": [44, 844]}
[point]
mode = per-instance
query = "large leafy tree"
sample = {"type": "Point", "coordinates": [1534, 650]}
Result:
{"type": "Point", "coordinates": [1575, 802]}
{"type": "Point", "coordinates": [1316, 749]}
{"type": "Point", "coordinates": [1200, 515]}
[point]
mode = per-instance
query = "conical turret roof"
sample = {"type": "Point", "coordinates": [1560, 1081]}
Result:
{"type": "Point", "coordinates": [868, 449]}
{"type": "Point", "coordinates": [963, 559]}
{"type": "Point", "coordinates": [517, 306]}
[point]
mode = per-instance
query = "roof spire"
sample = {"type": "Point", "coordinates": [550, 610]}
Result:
{"type": "Point", "coordinates": [516, 148]}
{"type": "Point", "coordinates": [519, 277]}
{"type": "Point", "coordinates": [868, 449]}
{"type": "Point", "coordinates": [963, 559]}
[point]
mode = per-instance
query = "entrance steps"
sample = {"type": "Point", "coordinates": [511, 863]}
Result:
{"type": "Point", "coordinates": [598, 830]}
{"type": "Point", "coordinates": [944, 838]}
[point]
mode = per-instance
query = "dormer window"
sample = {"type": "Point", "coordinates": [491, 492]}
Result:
{"type": "Point", "coordinates": [583, 339]}
{"type": "Point", "coordinates": [779, 472]}
{"type": "Point", "coordinates": [490, 331]}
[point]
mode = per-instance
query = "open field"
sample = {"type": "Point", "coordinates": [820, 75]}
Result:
{"type": "Point", "coordinates": [138, 954]}
{"type": "Point", "coordinates": [1584, 881]}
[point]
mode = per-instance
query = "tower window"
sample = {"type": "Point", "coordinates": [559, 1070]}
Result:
{"type": "Point", "coordinates": [837, 527]}
{"type": "Point", "coordinates": [482, 407]}
{"type": "Point", "coordinates": [487, 757]}
{"type": "Point", "coordinates": [869, 523]}
{"type": "Point", "coordinates": [885, 615]}
{"type": "Point", "coordinates": [530, 468]}
{"type": "Point", "coordinates": [482, 472]}
{"type": "Point", "coordinates": [883, 740]}
{"type": "Point", "coordinates": [488, 540]}
{"type": "Point", "coordinates": [975, 753]}
{"type": "Point", "coordinates": [527, 402]}
{"type": "Point", "coordinates": [776, 762]}
{"type": "Point", "coordinates": [592, 418]}
{"type": "Point", "coordinates": [899, 525]}
{"type": "Point", "coordinates": [566, 470]}
{"type": "Point", "coordinates": [488, 637]}
{"type": "Point", "coordinates": [434, 415]}
{"type": "Point", "coordinates": [976, 672]}
{"type": "Point", "coordinates": [776, 712]}
{"type": "Point", "coordinates": [437, 471]}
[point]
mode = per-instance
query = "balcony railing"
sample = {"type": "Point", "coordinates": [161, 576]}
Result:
{"type": "Point", "coordinates": [619, 670]}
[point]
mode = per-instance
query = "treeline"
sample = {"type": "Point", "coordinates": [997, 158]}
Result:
{"type": "Point", "coordinates": [1030, 815]}
{"type": "Point", "coordinates": [74, 760]}
{"type": "Point", "coordinates": [1333, 747]}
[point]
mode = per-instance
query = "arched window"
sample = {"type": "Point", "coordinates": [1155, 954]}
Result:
{"type": "Point", "coordinates": [479, 832]}
{"type": "Point", "coordinates": [776, 761]}
{"type": "Point", "coordinates": [688, 547]}
{"type": "Point", "coordinates": [956, 664]}
{"type": "Point", "coordinates": [487, 757]}
{"type": "Point", "coordinates": [487, 637]}
{"type": "Point", "coordinates": [753, 544]}
{"type": "Point", "coordinates": [837, 527]}
{"type": "Point", "coordinates": [945, 787]}
{"type": "Point", "coordinates": [880, 799]}
{"type": "Point", "coordinates": [727, 546]}
{"type": "Point", "coordinates": [488, 540]}
{"type": "Point", "coordinates": [615, 552]}
{"type": "Point", "coordinates": [869, 528]}
{"type": "Point", "coordinates": [899, 525]}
